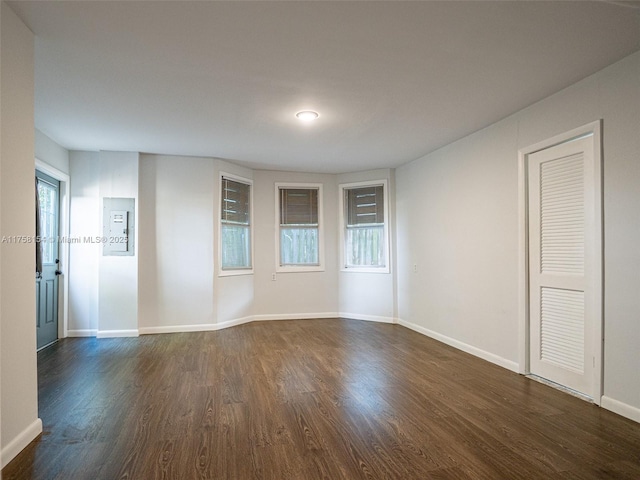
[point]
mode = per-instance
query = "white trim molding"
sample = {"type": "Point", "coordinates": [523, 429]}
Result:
{"type": "Point", "coordinates": [20, 442]}
{"type": "Point", "coordinates": [65, 199]}
{"type": "Point", "coordinates": [593, 129]}
{"type": "Point", "coordinates": [203, 327]}
{"type": "Point", "coordinates": [117, 333]}
{"type": "Point", "coordinates": [621, 408]}
{"type": "Point", "coordinates": [210, 327]}
{"type": "Point", "coordinates": [477, 352]}
{"type": "Point", "coordinates": [386, 268]}
{"type": "Point", "coordinates": [368, 318]}
{"type": "Point", "coordinates": [233, 322]}
{"type": "Point", "coordinates": [295, 316]}
{"type": "Point", "coordinates": [82, 333]}
{"type": "Point", "coordinates": [237, 271]}
{"type": "Point", "coordinates": [320, 267]}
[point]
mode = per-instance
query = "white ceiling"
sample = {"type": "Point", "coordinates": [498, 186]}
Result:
{"type": "Point", "coordinates": [392, 81]}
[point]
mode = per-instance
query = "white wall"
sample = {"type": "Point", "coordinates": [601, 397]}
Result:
{"type": "Point", "coordinates": [299, 294]}
{"type": "Point", "coordinates": [118, 275]}
{"type": "Point", "coordinates": [19, 400]}
{"type": "Point", "coordinates": [179, 286]}
{"type": "Point", "coordinates": [457, 214]}
{"type": "Point", "coordinates": [103, 290]}
{"type": "Point", "coordinates": [84, 222]}
{"type": "Point", "coordinates": [370, 295]}
{"type": "Point", "coordinates": [234, 295]}
{"type": "Point", "coordinates": [176, 242]}
{"type": "Point", "coordinates": [51, 153]}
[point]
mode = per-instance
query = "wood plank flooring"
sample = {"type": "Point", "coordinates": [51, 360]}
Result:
{"type": "Point", "coordinates": [301, 399]}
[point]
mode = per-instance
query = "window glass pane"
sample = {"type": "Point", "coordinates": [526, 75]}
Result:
{"type": "Point", "coordinates": [365, 238]}
{"type": "Point", "coordinates": [299, 228]}
{"type": "Point", "coordinates": [365, 246]}
{"type": "Point", "coordinates": [236, 247]}
{"type": "Point", "coordinates": [365, 205]}
{"type": "Point", "coordinates": [299, 246]}
{"type": "Point", "coordinates": [298, 206]}
{"type": "Point", "coordinates": [235, 202]}
{"type": "Point", "coordinates": [235, 232]}
{"type": "Point", "coordinates": [48, 198]}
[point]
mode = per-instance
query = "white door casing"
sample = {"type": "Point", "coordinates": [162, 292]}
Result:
{"type": "Point", "coordinates": [563, 255]}
{"type": "Point", "coordinates": [64, 179]}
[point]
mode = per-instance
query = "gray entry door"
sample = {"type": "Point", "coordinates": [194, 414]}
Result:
{"type": "Point", "coordinates": [47, 281]}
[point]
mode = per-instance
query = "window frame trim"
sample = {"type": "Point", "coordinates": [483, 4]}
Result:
{"type": "Point", "coordinates": [232, 272]}
{"type": "Point", "coordinates": [342, 219]}
{"type": "Point", "coordinates": [321, 261]}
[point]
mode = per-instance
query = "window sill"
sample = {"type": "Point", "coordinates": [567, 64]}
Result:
{"type": "Point", "coordinates": [235, 273]}
{"type": "Point", "coordinates": [366, 270]}
{"type": "Point", "coordinates": [299, 269]}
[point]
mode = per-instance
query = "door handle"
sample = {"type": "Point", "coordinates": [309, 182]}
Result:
{"type": "Point", "coordinates": [58, 272]}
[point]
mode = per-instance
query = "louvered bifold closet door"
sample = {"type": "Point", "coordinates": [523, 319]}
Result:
{"type": "Point", "coordinates": [558, 209]}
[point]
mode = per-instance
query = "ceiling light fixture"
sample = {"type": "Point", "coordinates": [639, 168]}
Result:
{"type": "Point", "coordinates": [307, 115]}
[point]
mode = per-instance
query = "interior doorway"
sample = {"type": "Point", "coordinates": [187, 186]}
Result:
{"type": "Point", "coordinates": [52, 295]}
{"type": "Point", "coordinates": [561, 193]}
{"type": "Point", "coordinates": [47, 258]}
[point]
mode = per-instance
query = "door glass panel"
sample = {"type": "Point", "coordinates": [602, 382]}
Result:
{"type": "Point", "coordinates": [48, 222]}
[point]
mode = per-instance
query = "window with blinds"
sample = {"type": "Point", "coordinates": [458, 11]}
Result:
{"type": "Point", "coordinates": [235, 228]}
{"type": "Point", "coordinates": [364, 227]}
{"type": "Point", "coordinates": [299, 226]}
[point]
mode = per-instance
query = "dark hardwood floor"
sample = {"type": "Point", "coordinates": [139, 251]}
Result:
{"type": "Point", "coordinates": [320, 399]}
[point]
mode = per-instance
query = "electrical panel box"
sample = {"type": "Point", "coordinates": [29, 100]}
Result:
{"type": "Point", "coordinates": [118, 227]}
{"type": "Point", "coordinates": [118, 230]}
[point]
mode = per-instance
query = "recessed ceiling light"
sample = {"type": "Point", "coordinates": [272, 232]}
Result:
{"type": "Point", "coordinates": [307, 115]}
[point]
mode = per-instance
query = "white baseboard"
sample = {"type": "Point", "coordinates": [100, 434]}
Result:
{"type": "Point", "coordinates": [117, 333]}
{"type": "Point", "coordinates": [234, 322]}
{"type": "Point", "coordinates": [15, 446]}
{"type": "Point", "coordinates": [295, 316]}
{"type": "Point", "coordinates": [204, 327]}
{"type": "Point", "coordinates": [488, 356]}
{"type": "Point", "coordinates": [82, 333]}
{"type": "Point", "coordinates": [624, 409]}
{"type": "Point", "coordinates": [207, 327]}
{"type": "Point", "coordinates": [368, 318]}
{"type": "Point", "coordinates": [260, 318]}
